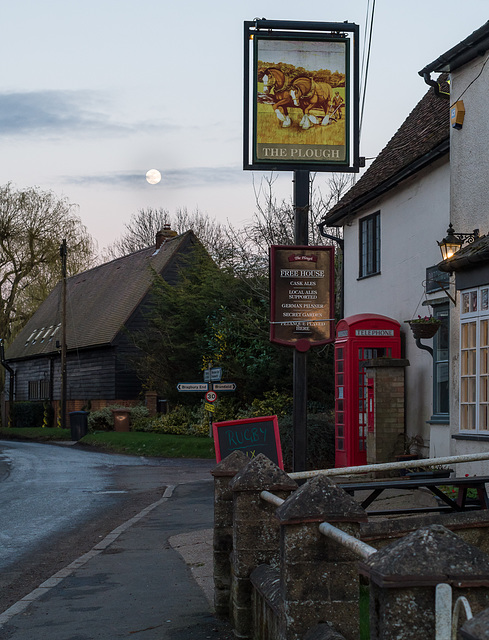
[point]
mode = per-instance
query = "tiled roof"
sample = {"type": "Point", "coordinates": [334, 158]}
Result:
{"type": "Point", "coordinates": [99, 302]}
{"type": "Point", "coordinates": [422, 138]}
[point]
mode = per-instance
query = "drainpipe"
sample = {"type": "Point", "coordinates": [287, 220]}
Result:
{"type": "Point", "coordinates": [433, 83]}
{"type": "Point", "coordinates": [341, 244]}
{"type": "Point", "coordinates": [11, 376]}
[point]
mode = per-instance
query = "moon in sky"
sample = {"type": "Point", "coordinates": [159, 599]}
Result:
{"type": "Point", "coordinates": [153, 176]}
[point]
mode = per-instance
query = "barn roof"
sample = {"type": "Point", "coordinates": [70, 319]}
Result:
{"type": "Point", "coordinates": [422, 138]}
{"type": "Point", "coordinates": [99, 302]}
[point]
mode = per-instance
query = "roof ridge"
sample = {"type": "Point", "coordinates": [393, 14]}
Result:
{"type": "Point", "coordinates": [128, 255]}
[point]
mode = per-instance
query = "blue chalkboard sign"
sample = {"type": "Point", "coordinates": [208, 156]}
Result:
{"type": "Point", "coordinates": [251, 435]}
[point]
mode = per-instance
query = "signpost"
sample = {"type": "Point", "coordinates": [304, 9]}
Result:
{"type": "Point", "coordinates": [302, 294]}
{"type": "Point", "coordinates": [301, 114]}
{"type": "Point", "coordinates": [209, 387]}
{"type": "Point", "coordinates": [198, 387]}
{"type": "Point", "coordinates": [213, 375]}
{"type": "Point", "coordinates": [224, 386]}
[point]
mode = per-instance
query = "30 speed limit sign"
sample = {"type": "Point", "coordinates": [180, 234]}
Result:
{"type": "Point", "coordinates": [211, 396]}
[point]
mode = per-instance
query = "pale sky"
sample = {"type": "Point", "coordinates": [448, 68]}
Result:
{"type": "Point", "coordinates": [93, 93]}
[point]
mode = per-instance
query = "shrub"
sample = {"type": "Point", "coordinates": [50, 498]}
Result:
{"type": "Point", "coordinates": [27, 414]}
{"type": "Point", "coordinates": [103, 419]}
{"type": "Point", "coordinates": [273, 403]}
{"type": "Point", "coordinates": [320, 440]}
{"type": "Point", "coordinates": [182, 420]}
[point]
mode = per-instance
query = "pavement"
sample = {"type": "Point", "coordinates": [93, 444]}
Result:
{"type": "Point", "coordinates": [149, 579]}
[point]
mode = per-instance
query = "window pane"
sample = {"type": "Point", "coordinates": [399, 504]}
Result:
{"type": "Point", "coordinates": [484, 300]}
{"type": "Point", "coordinates": [473, 301]}
{"type": "Point", "coordinates": [484, 335]}
{"type": "Point", "coordinates": [484, 418]}
{"type": "Point", "coordinates": [370, 245]}
{"type": "Point", "coordinates": [441, 388]}
{"type": "Point", "coordinates": [467, 417]}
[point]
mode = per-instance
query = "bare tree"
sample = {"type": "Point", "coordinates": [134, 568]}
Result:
{"type": "Point", "coordinates": [141, 232]}
{"type": "Point", "coordinates": [273, 222]}
{"type": "Point", "coordinates": [33, 224]}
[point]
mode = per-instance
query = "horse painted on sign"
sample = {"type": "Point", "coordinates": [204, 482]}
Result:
{"type": "Point", "coordinates": [307, 94]}
{"type": "Point", "coordinates": [275, 85]}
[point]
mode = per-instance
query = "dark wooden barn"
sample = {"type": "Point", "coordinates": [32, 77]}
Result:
{"type": "Point", "coordinates": [103, 306]}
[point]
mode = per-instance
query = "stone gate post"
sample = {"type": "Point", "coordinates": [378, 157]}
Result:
{"type": "Point", "coordinates": [319, 576]}
{"type": "Point", "coordinates": [403, 578]}
{"type": "Point", "coordinates": [255, 532]}
{"type": "Point", "coordinates": [223, 528]}
{"type": "Point", "coordinates": [477, 628]}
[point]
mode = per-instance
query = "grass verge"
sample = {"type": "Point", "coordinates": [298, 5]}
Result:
{"type": "Point", "coordinates": [135, 443]}
{"type": "Point", "coordinates": [36, 433]}
{"type": "Point", "coordinates": [161, 445]}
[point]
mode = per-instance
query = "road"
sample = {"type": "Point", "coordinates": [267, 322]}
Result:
{"type": "Point", "coordinates": [56, 502]}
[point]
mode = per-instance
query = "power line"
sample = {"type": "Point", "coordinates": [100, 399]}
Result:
{"type": "Point", "coordinates": [366, 57]}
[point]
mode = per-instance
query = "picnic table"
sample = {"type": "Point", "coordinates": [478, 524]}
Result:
{"type": "Point", "coordinates": [459, 503]}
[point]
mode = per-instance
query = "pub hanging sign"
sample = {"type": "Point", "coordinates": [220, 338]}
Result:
{"type": "Point", "coordinates": [301, 96]}
{"type": "Point", "coordinates": [301, 296]}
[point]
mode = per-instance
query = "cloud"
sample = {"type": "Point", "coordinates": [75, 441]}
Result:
{"type": "Point", "coordinates": [51, 113]}
{"type": "Point", "coordinates": [173, 178]}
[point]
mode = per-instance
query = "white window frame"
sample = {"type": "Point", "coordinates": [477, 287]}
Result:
{"type": "Point", "coordinates": [474, 361]}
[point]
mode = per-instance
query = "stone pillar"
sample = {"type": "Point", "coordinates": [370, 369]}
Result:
{"type": "Point", "coordinates": [404, 575]}
{"type": "Point", "coordinates": [477, 628]}
{"type": "Point", "coordinates": [387, 376]}
{"type": "Point", "coordinates": [319, 577]}
{"type": "Point", "coordinates": [256, 532]}
{"type": "Point", "coordinates": [223, 528]}
{"type": "Point", "coordinates": [151, 401]}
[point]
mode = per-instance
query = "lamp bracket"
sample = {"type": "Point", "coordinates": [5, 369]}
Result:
{"type": "Point", "coordinates": [446, 291]}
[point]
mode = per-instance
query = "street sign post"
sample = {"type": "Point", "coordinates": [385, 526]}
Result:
{"type": "Point", "coordinates": [213, 375]}
{"type": "Point", "coordinates": [198, 387]}
{"type": "Point", "coordinates": [224, 386]}
{"type": "Point", "coordinates": [209, 387]}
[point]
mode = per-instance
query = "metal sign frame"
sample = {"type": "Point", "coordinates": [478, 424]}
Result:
{"type": "Point", "coordinates": [291, 148]}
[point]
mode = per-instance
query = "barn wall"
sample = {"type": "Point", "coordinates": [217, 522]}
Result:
{"type": "Point", "coordinates": [90, 375]}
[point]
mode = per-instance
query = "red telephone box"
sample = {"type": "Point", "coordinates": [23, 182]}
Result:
{"type": "Point", "coordinates": [359, 338]}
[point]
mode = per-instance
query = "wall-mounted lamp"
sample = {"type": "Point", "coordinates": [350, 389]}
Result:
{"type": "Point", "coordinates": [454, 241]}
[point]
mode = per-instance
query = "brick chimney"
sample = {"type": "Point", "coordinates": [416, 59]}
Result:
{"type": "Point", "coordinates": [164, 234]}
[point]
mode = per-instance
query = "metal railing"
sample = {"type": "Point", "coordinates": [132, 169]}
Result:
{"type": "Point", "coordinates": [446, 618]}
{"type": "Point", "coordinates": [362, 549]}
{"type": "Point", "coordinates": [390, 466]}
